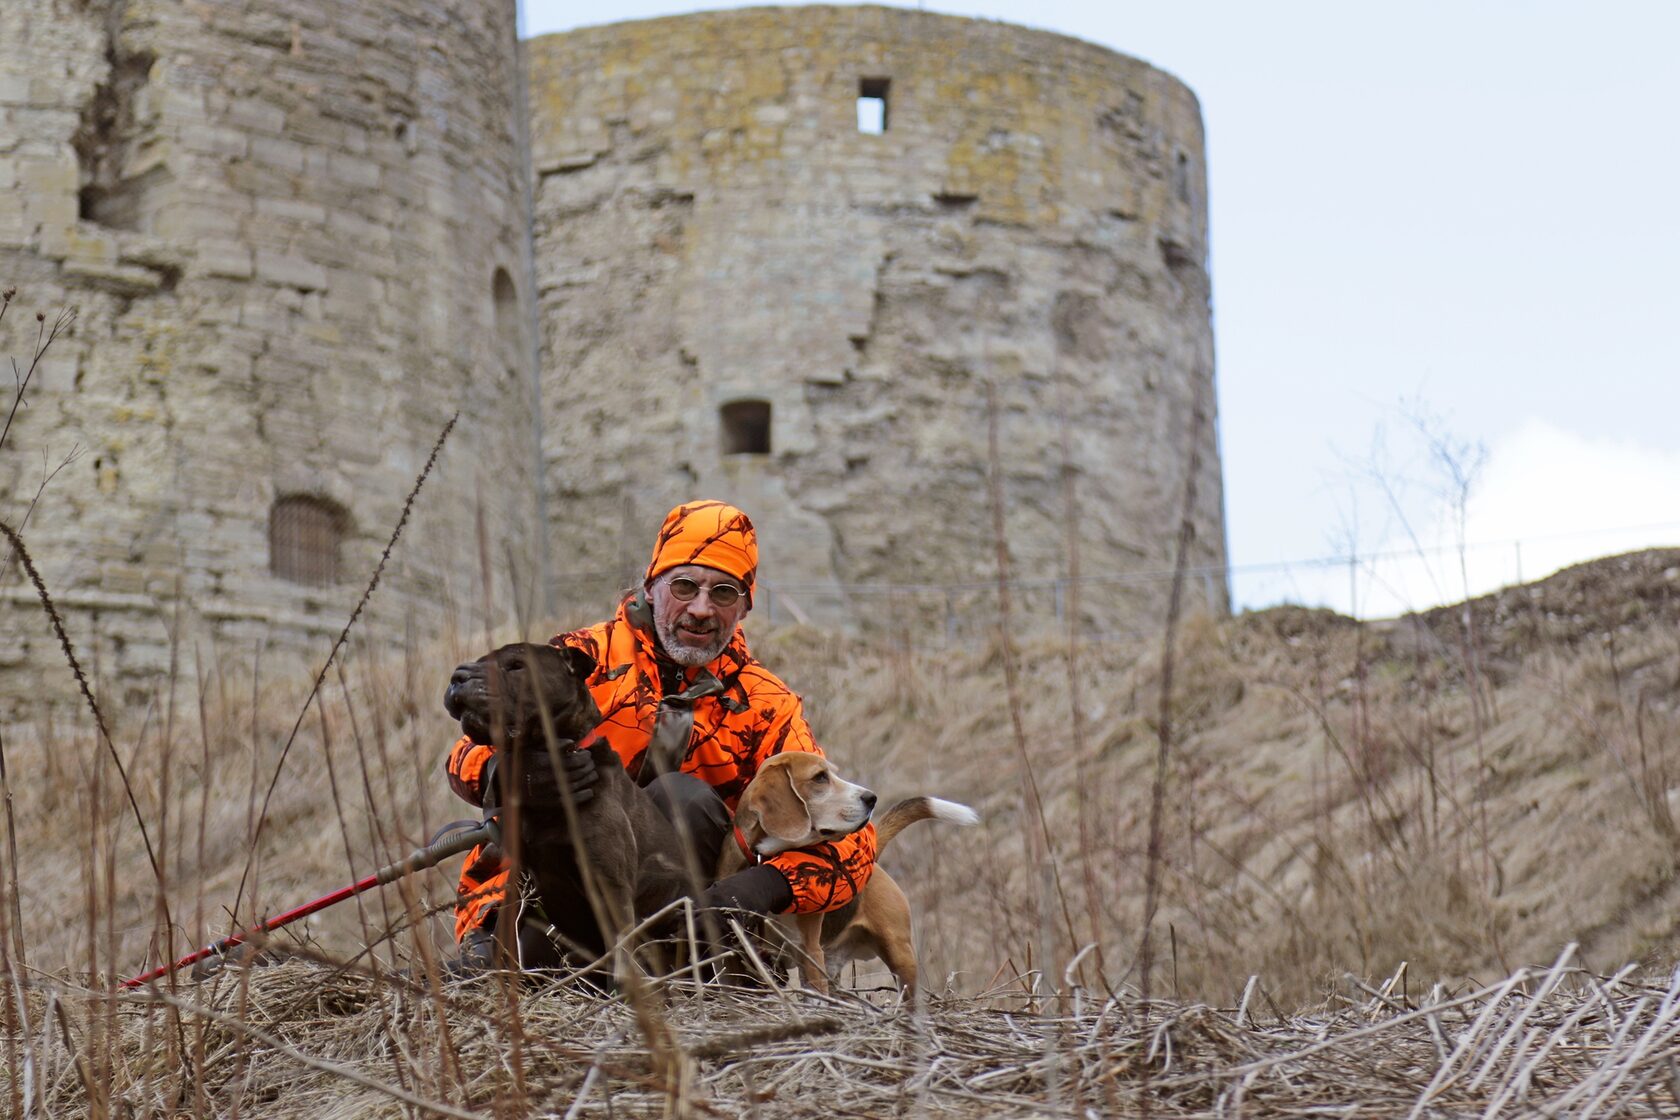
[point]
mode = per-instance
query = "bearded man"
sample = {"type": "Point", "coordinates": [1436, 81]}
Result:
{"type": "Point", "coordinates": [692, 715]}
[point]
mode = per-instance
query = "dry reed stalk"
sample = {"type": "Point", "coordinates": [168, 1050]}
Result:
{"type": "Point", "coordinates": [14, 891]}
{"type": "Point", "coordinates": [1041, 849]}
{"type": "Point", "coordinates": [167, 930]}
{"type": "Point", "coordinates": [44, 339]}
{"type": "Point", "coordinates": [198, 1055]}
{"type": "Point", "coordinates": [1078, 736]}
{"type": "Point", "coordinates": [15, 955]}
{"type": "Point", "coordinates": [1546, 1041]}
{"type": "Point", "coordinates": [385, 1025]}
{"type": "Point", "coordinates": [87, 694]}
{"type": "Point", "coordinates": [339, 812]}
{"type": "Point", "coordinates": [338, 644]}
{"type": "Point", "coordinates": [385, 845]}
{"type": "Point", "coordinates": [1164, 728]}
{"type": "Point", "coordinates": [1040, 845]}
{"type": "Point", "coordinates": [43, 342]}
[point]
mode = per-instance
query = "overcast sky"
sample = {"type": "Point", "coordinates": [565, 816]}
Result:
{"type": "Point", "coordinates": [1453, 220]}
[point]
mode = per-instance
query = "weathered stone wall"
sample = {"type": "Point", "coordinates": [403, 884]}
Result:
{"type": "Point", "coordinates": [297, 235]}
{"type": "Point", "coordinates": [299, 239]}
{"type": "Point", "coordinates": [712, 225]}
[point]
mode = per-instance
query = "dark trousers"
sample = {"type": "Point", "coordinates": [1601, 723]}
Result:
{"type": "Point", "coordinates": [701, 819]}
{"type": "Point", "coordinates": [703, 823]}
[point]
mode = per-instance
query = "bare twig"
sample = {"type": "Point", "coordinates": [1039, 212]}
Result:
{"type": "Point", "coordinates": [1164, 727]}
{"type": "Point", "coordinates": [1555, 1041]}
{"type": "Point", "coordinates": [45, 337]}
{"type": "Point", "coordinates": [1041, 852]}
{"type": "Point", "coordinates": [87, 694]}
{"type": "Point", "coordinates": [343, 636]}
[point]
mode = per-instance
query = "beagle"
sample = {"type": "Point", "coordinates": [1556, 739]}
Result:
{"type": "Point", "coordinates": [796, 800]}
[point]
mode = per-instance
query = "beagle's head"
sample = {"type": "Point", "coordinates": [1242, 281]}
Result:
{"type": "Point", "coordinates": [797, 800]}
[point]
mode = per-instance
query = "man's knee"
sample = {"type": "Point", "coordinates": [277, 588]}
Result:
{"type": "Point", "coordinates": [697, 812]}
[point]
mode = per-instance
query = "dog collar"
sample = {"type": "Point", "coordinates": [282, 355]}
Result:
{"type": "Point", "coordinates": [746, 849]}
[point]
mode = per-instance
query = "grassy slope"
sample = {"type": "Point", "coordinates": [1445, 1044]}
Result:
{"type": "Point", "coordinates": [1337, 801]}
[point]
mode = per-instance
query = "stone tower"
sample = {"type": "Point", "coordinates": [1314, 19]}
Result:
{"type": "Point", "coordinates": [302, 236]}
{"type": "Point", "coordinates": [788, 256]}
{"type": "Point", "coordinates": [298, 236]}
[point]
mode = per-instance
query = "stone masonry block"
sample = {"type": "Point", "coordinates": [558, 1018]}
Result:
{"type": "Point", "coordinates": [293, 210]}
{"type": "Point", "coordinates": [289, 270]}
{"type": "Point", "coordinates": [257, 115]}
{"type": "Point", "coordinates": [193, 215]}
{"type": "Point", "coordinates": [14, 229]}
{"type": "Point", "coordinates": [286, 155]}
{"type": "Point", "coordinates": [217, 140]}
{"type": "Point", "coordinates": [53, 176]}
{"type": "Point", "coordinates": [231, 259]}
{"type": "Point", "coordinates": [355, 171]}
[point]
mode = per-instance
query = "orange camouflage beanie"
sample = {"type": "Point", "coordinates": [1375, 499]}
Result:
{"type": "Point", "coordinates": [709, 533]}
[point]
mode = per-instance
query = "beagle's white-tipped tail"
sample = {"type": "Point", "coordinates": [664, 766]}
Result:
{"type": "Point", "coordinates": [912, 809]}
{"type": "Point", "coordinates": [952, 811]}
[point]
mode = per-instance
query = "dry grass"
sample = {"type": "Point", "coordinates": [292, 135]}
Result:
{"type": "Point", "coordinates": [302, 1039]}
{"type": "Point", "coordinates": [1326, 803]}
{"type": "Point", "coordinates": [1325, 819]}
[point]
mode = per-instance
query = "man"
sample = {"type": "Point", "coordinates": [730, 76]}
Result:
{"type": "Point", "coordinates": [692, 714]}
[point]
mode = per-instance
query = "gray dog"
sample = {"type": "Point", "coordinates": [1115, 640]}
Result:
{"type": "Point", "coordinates": [618, 841]}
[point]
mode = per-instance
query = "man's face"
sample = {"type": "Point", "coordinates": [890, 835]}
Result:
{"type": "Point", "coordinates": [694, 632]}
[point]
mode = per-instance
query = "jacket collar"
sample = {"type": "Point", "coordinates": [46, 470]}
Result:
{"type": "Point", "coordinates": [635, 612]}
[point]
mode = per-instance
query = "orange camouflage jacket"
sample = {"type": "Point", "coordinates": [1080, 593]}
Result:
{"type": "Point", "coordinates": [753, 716]}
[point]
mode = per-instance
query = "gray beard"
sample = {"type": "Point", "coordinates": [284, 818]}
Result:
{"type": "Point", "coordinates": [686, 654]}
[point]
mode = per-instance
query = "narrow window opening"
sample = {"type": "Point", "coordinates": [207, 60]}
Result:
{"type": "Point", "coordinates": [1181, 177]}
{"type": "Point", "coordinates": [746, 427]}
{"type": "Point", "coordinates": [509, 338]}
{"type": "Point", "coordinates": [872, 105]}
{"type": "Point", "coordinates": [304, 536]}
{"type": "Point", "coordinates": [110, 131]}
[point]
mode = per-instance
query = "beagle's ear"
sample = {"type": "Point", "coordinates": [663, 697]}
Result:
{"type": "Point", "coordinates": [780, 809]}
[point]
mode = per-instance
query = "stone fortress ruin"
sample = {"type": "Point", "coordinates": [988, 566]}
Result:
{"type": "Point", "coordinates": [833, 264]}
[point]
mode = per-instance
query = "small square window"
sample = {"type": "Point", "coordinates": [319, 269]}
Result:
{"type": "Point", "coordinates": [746, 427]}
{"type": "Point", "coordinates": [304, 535]}
{"type": "Point", "coordinates": [872, 105]}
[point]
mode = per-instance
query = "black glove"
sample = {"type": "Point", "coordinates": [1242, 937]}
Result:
{"type": "Point", "coordinates": [761, 889]}
{"type": "Point", "coordinates": [543, 787]}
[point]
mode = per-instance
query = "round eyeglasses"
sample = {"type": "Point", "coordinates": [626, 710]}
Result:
{"type": "Point", "coordinates": [686, 590]}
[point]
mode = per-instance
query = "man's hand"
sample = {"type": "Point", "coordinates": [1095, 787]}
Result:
{"type": "Point", "coordinates": [546, 787]}
{"type": "Point", "coordinates": [761, 890]}
{"type": "Point", "coordinates": [543, 788]}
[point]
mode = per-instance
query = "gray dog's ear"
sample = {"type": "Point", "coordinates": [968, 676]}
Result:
{"type": "Point", "coordinates": [582, 664]}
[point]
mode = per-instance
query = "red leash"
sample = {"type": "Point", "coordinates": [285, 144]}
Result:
{"type": "Point", "coordinates": [421, 858]}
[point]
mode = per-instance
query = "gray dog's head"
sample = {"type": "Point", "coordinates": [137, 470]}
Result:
{"type": "Point", "coordinates": [497, 697]}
